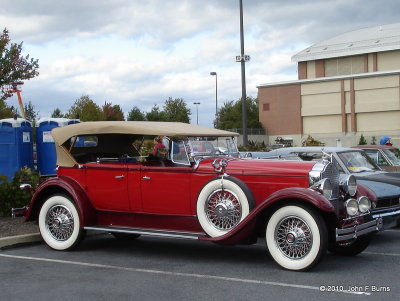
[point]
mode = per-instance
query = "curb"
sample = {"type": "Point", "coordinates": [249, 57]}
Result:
{"type": "Point", "coordinates": [19, 239]}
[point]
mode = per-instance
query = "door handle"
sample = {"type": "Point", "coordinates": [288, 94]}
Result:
{"type": "Point", "coordinates": [119, 177]}
{"type": "Point", "coordinates": [146, 178]}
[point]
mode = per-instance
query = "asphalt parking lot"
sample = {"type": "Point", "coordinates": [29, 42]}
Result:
{"type": "Point", "coordinates": [103, 268]}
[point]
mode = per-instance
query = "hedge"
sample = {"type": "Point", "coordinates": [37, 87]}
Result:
{"type": "Point", "coordinates": [11, 196]}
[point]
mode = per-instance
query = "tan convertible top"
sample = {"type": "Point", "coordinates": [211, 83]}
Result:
{"type": "Point", "coordinates": [62, 134]}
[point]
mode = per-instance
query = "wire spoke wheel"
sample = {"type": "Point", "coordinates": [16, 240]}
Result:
{"type": "Point", "coordinates": [293, 237]}
{"type": "Point", "coordinates": [222, 204]}
{"type": "Point", "coordinates": [60, 222]}
{"type": "Point", "coordinates": [223, 209]}
{"type": "Point", "coordinates": [296, 237]}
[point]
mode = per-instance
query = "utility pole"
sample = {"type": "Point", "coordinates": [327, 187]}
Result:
{"type": "Point", "coordinates": [243, 58]}
{"type": "Point", "coordinates": [197, 111]}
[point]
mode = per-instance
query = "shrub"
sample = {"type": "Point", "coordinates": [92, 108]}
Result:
{"type": "Point", "coordinates": [362, 140]}
{"type": "Point", "coordinates": [12, 196]}
{"type": "Point", "coordinates": [253, 146]}
{"type": "Point", "coordinates": [310, 141]}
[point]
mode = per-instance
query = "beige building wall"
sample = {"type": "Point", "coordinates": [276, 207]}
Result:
{"type": "Point", "coordinates": [378, 121]}
{"type": "Point", "coordinates": [356, 64]}
{"type": "Point", "coordinates": [388, 60]}
{"type": "Point", "coordinates": [311, 73]}
{"type": "Point", "coordinates": [335, 111]}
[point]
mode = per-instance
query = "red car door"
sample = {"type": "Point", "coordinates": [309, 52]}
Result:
{"type": "Point", "coordinates": [107, 186]}
{"type": "Point", "coordinates": [166, 190]}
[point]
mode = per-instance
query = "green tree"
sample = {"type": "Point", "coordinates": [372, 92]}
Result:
{"type": "Point", "coordinates": [362, 140]}
{"type": "Point", "coordinates": [176, 110]}
{"type": "Point", "coordinates": [85, 109]}
{"type": "Point", "coordinates": [57, 114]}
{"type": "Point", "coordinates": [6, 111]}
{"type": "Point", "coordinates": [13, 66]}
{"type": "Point", "coordinates": [112, 112]}
{"type": "Point", "coordinates": [230, 114]}
{"type": "Point", "coordinates": [30, 113]}
{"type": "Point", "coordinates": [136, 115]}
{"type": "Point", "coordinates": [156, 114]}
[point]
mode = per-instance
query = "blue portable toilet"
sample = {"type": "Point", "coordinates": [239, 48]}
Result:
{"type": "Point", "coordinates": [16, 146]}
{"type": "Point", "coordinates": [45, 148]}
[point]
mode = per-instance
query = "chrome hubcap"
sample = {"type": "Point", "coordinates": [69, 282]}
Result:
{"type": "Point", "coordinates": [223, 209]}
{"type": "Point", "coordinates": [293, 237]}
{"type": "Point", "coordinates": [60, 222]}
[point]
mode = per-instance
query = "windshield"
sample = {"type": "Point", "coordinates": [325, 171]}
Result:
{"type": "Point", "coordinates": [213, 146]}
{"type": "Point", "coordinates": [357, 162]}
{"type": "Point", "coordinates": [393, 155]}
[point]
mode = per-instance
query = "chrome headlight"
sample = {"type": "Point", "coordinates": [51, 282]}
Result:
{"type": "Point", "coordinates": [349, 185]}
{"type": "Point", "coordinates": [351, 207]}
{"type": "Point", "coordinates": [325, 187]}
{"type": "Point", "coordinates": [364, 204]}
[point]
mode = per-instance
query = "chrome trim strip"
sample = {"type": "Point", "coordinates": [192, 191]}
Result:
{"type": "Point", "coordinates": [397, 212]}
{"type": "Point", "coordinates": [358, 230]}
{"type": "Point", "coordinates": [149, 232]}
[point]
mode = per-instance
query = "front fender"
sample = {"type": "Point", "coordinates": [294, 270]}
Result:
{"type": "Point", "coordinates": [246, 227]}
{"type": "Point", "coordinates": [64, 185]}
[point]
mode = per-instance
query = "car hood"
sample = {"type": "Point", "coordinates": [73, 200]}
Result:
{"type": "Point", "coordinates": [261, 167]}
{"type": "Point", "coordinates": [383, 184]}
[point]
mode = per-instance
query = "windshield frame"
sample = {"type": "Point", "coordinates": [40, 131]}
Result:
{"type": "Point", "coordinates": [201, 147]}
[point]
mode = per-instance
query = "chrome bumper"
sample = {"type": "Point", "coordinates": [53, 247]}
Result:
{"type": "Point", "coordinates": [359, 230]}
{"type": "Point", "coordinates": [16, 212]}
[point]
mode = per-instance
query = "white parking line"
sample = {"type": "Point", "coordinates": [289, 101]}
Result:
{"type": "Point", "coordinates": [86, 264]}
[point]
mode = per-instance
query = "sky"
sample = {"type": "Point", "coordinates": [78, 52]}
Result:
{"type": "Point", "coordinates": [141, 52]}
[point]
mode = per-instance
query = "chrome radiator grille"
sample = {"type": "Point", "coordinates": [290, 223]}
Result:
{"type": "Point", "coordinates": [332, 173]}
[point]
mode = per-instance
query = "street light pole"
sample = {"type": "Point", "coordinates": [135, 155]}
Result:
{"type": "Point", "coordinates": [242, 62]}
{"type": "Point", "coordinates": [197, 111]}
{"type": "Point", "coordinates": [216, 97]}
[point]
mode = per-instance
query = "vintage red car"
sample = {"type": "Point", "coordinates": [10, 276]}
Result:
{"type": "Point", "coordinates": [196, 187]}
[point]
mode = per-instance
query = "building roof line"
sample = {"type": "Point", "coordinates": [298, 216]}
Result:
{"type": "Point", "coordinates": [361, 41]}
{"type": "Point", "coordinates": [325, 79]}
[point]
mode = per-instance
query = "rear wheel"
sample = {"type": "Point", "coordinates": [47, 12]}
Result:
{"type": "Point", "coordinates": [59, 223]}
{"type": "Point", "coordinates": [296, 237]}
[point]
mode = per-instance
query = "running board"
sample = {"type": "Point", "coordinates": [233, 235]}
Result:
{"type": "Point", "coordinates": [149, 232]}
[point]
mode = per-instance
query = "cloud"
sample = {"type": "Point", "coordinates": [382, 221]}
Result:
{"type": "Point", "coordinates": [142, 52]}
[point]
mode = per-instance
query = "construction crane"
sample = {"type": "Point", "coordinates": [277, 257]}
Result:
{"type": "Point", "coordinates": [16, 88]}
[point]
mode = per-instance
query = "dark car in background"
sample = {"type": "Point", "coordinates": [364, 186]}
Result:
{"type": "Point", "coordinates": [385, 156]}
{"type": "Point", "coordinates": [352, 161]}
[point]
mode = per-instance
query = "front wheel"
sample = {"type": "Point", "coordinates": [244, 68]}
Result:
{"type": "Point", "coordinates": [350, 248]}
{"type": "Point", "coordinates": [59, 223]}
{"type": "Point", "coordinates": [296, 237]}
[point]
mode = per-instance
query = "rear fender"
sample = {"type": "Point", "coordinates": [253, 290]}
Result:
{"type": "Point", "coordinates": [246, 228]}
{"type": "Point", "coordinates": [62, 185]}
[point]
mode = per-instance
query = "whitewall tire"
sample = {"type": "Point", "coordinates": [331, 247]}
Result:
{"type": "Point", "coordinates": [223, 205]}
{"type": "Point", "coordinates": [59, 223]}
{"type": "Point", "coordinates": [296, 237]}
